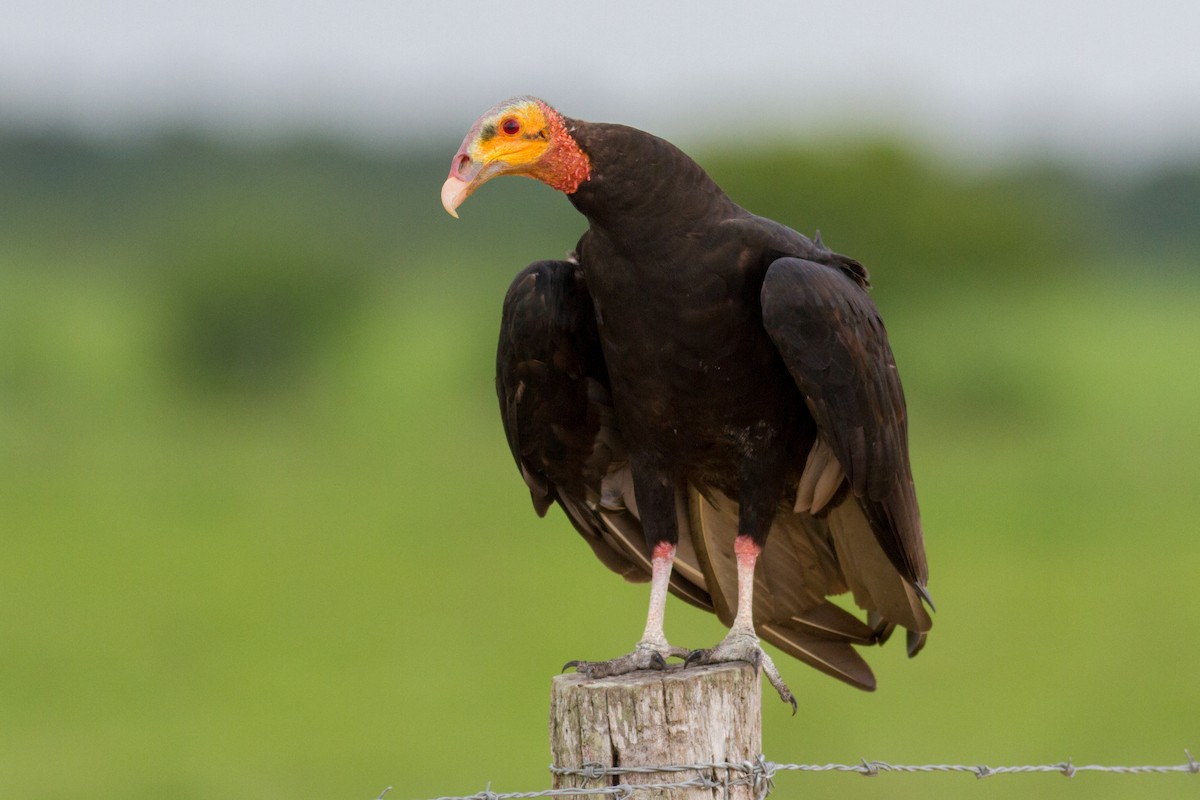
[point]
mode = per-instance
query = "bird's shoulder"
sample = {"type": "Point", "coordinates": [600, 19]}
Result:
{"type": "Point", "coordinates": [770, 240]}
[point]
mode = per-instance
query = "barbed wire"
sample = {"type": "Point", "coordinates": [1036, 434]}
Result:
{"type": "Point", "coordinates": [760, 775]}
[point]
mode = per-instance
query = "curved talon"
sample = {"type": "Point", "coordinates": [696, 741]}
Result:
{"type": "Point", "coordinates": [772, 673]}
{"type": "Point", "coordinates": [647, 655]}
{"type": "Point", "coordinates": [569, 665]}
{"type": "Point", "coordinates": [740, 646]}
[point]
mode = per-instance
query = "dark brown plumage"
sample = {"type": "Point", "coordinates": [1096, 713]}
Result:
{"type": "Point", "coordinates": [699, 385]}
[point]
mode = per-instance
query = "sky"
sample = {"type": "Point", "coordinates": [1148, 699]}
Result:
{"type": "Point", "coordinates": [987, 78]}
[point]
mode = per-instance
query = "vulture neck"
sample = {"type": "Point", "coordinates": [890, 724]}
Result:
{"type": "Point", "coordinates": [642, 188]}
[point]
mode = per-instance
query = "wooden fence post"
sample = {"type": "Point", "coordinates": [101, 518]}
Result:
{"type": "Point", "coordinates": [678, 716]}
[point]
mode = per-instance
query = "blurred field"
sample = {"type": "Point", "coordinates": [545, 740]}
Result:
{"type": "Point", "coordinates": [263, 538]}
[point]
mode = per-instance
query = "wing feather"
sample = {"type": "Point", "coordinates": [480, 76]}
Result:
{"type": "Point", "coordinates": [832, 339]}
{"type": "Point", "coordinates": [552, 385]}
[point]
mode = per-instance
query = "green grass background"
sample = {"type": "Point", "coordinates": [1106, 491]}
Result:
{"type": "Point", "coordinates": [262, 537]}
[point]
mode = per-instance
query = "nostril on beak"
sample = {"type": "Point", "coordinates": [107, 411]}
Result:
{"type": "Point", "coordinates": [461, 163]}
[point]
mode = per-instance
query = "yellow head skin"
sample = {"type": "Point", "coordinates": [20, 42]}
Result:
{"type": "Point", "coordinates": [521, 136]}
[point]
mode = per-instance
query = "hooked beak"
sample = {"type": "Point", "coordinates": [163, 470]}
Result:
{"type": "Point", "coordinates": [466, 175]}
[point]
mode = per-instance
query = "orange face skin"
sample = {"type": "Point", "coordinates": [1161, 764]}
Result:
{"type": "Point", "coordinates": [522, 136]}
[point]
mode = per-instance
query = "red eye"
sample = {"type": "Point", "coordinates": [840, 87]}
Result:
{"type": "Point", "coordinates": [510, 126]}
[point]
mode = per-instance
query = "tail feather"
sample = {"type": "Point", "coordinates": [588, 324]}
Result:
{"type": "Point", "coordinates": [834, 622]}
{"type": "Point", "coordinates": [872, 578]}
{"type": "Point", "coordinates": [882, 627]}
{"type": "Point", "coordinates": [915, 640]}
{"type": "Point", "coordinates": [807, 558]}
{"type": "Point", "coordinates": [835, 658]}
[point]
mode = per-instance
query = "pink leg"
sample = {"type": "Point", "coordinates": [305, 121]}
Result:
{"type": "Point", "coordinates": [747, 551]}
{"type": "Point", "coordinates": [653, 650]}
{"type": "Point", "coordinates": [660, 579]}
{"type": "Point", "coordinates": [741, 643]}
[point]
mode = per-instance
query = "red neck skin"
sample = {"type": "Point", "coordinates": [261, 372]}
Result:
{"type": "Point", "coordinates": [565, 165]}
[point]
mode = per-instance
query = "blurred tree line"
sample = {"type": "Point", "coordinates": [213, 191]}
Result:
{"type": "Point", "coordinates": [258, 251]}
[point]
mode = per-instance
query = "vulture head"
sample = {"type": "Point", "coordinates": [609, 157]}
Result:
{"type": "Point", "coordinates": [520, 136]}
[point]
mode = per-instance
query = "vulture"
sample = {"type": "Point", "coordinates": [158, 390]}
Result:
{"type": "Point", "coordinates": [711, 399]}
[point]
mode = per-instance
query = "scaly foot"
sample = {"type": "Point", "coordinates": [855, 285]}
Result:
{"type": "Point", "coordinates": [647, 655]}
{"type": "Point", "coordinates": [741, 645]}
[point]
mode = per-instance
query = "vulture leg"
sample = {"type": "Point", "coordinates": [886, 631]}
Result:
{"type": "Point", "coordinates": [741, 643]}
{"type": "Point", "coordinates": [653, 649]}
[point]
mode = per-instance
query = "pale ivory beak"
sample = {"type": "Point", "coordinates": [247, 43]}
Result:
{"type": "Point", "coordinates": [466, 175]}
{"type": "Point", "coordinates": [454, 191]}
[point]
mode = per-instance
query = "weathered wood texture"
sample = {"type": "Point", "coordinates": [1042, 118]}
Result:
{"type": "Point", "coordinates": [678, 716]}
